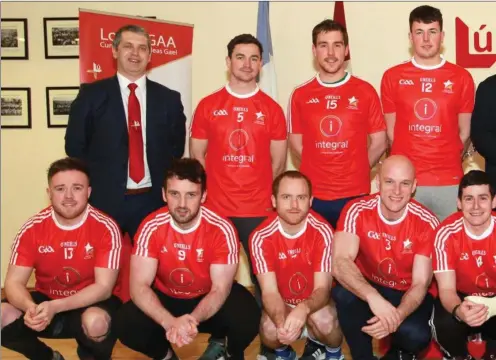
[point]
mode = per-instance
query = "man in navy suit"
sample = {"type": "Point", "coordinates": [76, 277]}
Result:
{"type": "Point", "coordinates": [128, 129]}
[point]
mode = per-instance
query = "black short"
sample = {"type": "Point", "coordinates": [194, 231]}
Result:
{"type": "Point", "coordinates": [65, 325]}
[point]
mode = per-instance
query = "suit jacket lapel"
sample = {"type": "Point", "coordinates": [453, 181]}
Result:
{"type": "Point", "coordinates": [117, 107]}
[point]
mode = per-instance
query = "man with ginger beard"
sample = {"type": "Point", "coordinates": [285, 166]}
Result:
{"type": "Point", "coordinates": [183, 266]}
{"type": "Point", "coordinates": [382, 263]}
{"type": "Point", "coordinates": [465, 270]}
{"type": "Point", "coordinates": [128, 129]}
{"type": "Point", "coordinates": [291, 256]}
{"type": "Point", "coordinates": [74, 250]}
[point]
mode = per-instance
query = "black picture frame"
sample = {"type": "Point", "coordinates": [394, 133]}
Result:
{"type": "Point", "coordinates": [14, 35]}
{"type": "Point", "coordinates": [15, 108]}
{"type": "Point", "coordinates": [58, 104]}
{"type": "Point", "coordinates": [61, 37]}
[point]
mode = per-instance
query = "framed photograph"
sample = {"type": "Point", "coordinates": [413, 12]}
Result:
{"type": "Point", "coordinates": [14, 39]}
{"type": "Point", "coordinates": [61, 38]}
{"type": "Point", "coordinates": [59, 100]}
{"type": "Point", "coordinates": [16, 108]}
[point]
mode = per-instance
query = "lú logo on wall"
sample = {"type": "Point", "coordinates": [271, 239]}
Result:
{"type": "Point", "coordinates": [474, 47]}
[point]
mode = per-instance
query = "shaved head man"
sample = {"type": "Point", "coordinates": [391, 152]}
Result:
{"type": "Point", "coordinates": [381, 261]}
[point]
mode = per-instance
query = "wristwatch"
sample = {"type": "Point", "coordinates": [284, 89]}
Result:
{"type": "Point", "coordinates": [453, 313]}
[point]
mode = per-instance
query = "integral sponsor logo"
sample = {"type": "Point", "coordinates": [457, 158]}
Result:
{"type": "Point", "coordinates": [220, 112]}
{"type": "Point", "coordinates": [298, 283]}
{"type": "Point", "coordinates": [380, 280]}
{"type": "Point", "coordinates": [181, 277]}
{"type": "Point", "coordinates": [330, 126]}
{"type": "Point", "coordinates": [387, 269]}
{"type": "Point", "coordinates": [45, 249]}
{"type": "Point", "coordinates": [484, 282]}
{"type": "Point", "coordinates": [406, 82]}
{"type": "Point", "coordinates": [68, 276]}
{"type": "Point", "coordinates": [475, 46]}
{"type": "Point", "coordinates": [313, 101]}
{"type": "Point", "coordinates": [448, 87]}
{"type": "Point", "coordinates": [238, 139]}
{"type": "Point", "coordinates": [63, 293]}
{"type": "Point", "coordinates": [425, 109]}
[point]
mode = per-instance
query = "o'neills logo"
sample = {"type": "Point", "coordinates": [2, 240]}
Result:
{"type": "Point", "coordinates": [474, 48]}
{"type": "Point", "coordinates": [160, 44]}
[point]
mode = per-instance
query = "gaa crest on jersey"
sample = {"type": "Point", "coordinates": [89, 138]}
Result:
{"type": "Point", "coordinates": [352, 103]}
{"type": "Point", "coordinates": [298, 283]}
{"type": "Point", "coordinates": [407, 247]}
{"type": "Point", "coordinates": [448, 87]}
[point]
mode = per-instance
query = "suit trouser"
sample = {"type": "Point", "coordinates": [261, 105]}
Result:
{"type": "Point", "coordinates": [452, 335]}
{"type": "Point", "coordinates": [65, 325]}
{"type": "Point", "coordinates": [412, 336]}
{"type": "Point", "coordinates": [331, 209]}
{"type": "Point", "coordinates": [238, 319]}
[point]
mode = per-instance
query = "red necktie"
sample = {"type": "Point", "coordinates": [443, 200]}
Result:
{"type": "Point", "coordinates": [136, 162]}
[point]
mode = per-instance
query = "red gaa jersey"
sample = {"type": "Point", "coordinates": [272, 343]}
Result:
{"type": "Point", "coordinates": [335, 121]}
{"type": "Point", "coordinates": [427, 101]}
{"type": "Point", "coordinates": [185, 256]}
{"type": "Point", "coordinates": [239, 130]}
{"type": "Point", "coordinates": [293, 258]}
{"type": "Point", "coordinates": [64, 257]}
{"type": "Point", "coordinates": [387, 248]}
{"type": "Point", "coordinates": [472, 257]}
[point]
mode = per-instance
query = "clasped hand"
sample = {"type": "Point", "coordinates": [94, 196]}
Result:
{"type": "Point", "coordinates": [182, 330]}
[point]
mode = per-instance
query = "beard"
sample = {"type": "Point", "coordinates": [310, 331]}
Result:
{"type": "Point", "coordinates": [69, 213]}
{"type": "Point", "coordinates": [184, 216]}
{"type": "Point", "coordinates": [293, 219]}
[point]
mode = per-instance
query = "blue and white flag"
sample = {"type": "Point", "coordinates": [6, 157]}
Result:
{"type": "Point", "coordinates": [267, 79]}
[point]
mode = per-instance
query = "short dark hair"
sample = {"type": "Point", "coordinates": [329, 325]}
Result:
{"type": "Point", "coordinates": [68, 164]}
{"type": "Point", "coordinates": [326, 26]}
{"type": "Point", "coordinates": [426, 14]}
{"type": "Point", "coordinates": [291, 174]}
{"type": "Point", "coordinates": [134, 29]}
{"type": "Point", "coordinates": [243, 39]}
{"type": "Point", "coordinates": [475, 177]}
{"type": "Point", "coordinates": [187, 169]}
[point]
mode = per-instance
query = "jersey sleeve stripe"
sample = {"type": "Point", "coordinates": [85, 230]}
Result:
{"type": "Point", "coordinates": [148, 229]}
{"type": "Point", "coordinates": [354, 211]}
{"type": "Point", "coordinates": [38, 218]}
{"type": "Point", "coordinates": [227, 229]}
{"type": "Point", "coordinates": [115, 234]}
{"type": "Point", "coordinates": [424, 215]}
{"type": "Point", "coordinates": [257, 242]}
{"type": "Point", "coordinates": [326, 232]}
{"type": "Point", "coordinates": [289, 114]}
{"type": "Point", "coordinates": [442, 236]}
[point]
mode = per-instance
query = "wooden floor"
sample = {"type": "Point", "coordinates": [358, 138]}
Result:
{"type": "Point", "coordinates": [68, 349]}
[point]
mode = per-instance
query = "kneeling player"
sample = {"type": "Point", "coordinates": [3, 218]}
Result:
{"type": "Point", "coordinates": [291, 256]}
{"type": "Point", "coordinates": [465, 270]}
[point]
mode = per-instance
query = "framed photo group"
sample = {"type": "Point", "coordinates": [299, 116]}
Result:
{"type": "Point", "coordinates": [61, 41]}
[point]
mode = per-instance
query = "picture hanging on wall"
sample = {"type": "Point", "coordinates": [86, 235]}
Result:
{"type": "Point", "coordinates": [15, 108]}
{"type": "Point", "coordinates": [14, 39]}
{"type": "Point", "coordinates": [59, 100]}
{"type": "Point", "coordinates": [61, 38]}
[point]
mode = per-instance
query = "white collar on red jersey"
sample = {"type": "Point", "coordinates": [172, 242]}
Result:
{"type": "Point", "coordinates": [482, 236]}
{"type": "Point", "coordinates": [336, 84]}
{"type": "Point", "coordinates": [386, 221]}
{"type": "Point", "coordinates": [295, 236]}
{"type": "Point", "coordinates": [191, 229]}
{"type": "Point", "coordinates": [431, 67]}
{"type": "Point", "coordinates": [241, 96]}
{"type": "Point", "coordinates": [72, 227]}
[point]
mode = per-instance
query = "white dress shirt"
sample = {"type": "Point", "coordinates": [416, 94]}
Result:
{"type": "Point", "coordinates": [141, 95]}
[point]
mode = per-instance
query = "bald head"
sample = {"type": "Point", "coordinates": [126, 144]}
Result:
{"type": "Point", "coordinates": [399, 165]}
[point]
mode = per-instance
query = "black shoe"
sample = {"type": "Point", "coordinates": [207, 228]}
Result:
{"type": "Point", "coordinates": [313, 351]}
{"type": "Point", "coordinates": [84, 354]}
{"type": "Point", "coordinates": [57, 356]}
{"type": "Point", "coordinates": [489, 355]}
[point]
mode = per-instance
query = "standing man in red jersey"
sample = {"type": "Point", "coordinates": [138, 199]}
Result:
{"type": "Point", "coordinates": [182, 276]}
{"type": "Point", "coordinates": [74, 250]}
{"type": "Point", "coordinates": [465, 270]}
{"type": "Point", "coordinates": [381, 259]}
{"type": "Point", "coordinates": [337, 130]}
{"type": "Point", "coordinates": [291, 253]}
{"type": "Point", "coordinates": [239, 134]}
{"type": "Point", "coordinates": [428, 103]}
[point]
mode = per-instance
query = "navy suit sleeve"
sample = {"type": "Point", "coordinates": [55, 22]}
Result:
{"type": "Point", "coordinates": [76, 135]}
{"type": "Point", "coordinates": [178, 119]}
{"type": "Point", "coordinates": [483, 124]}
